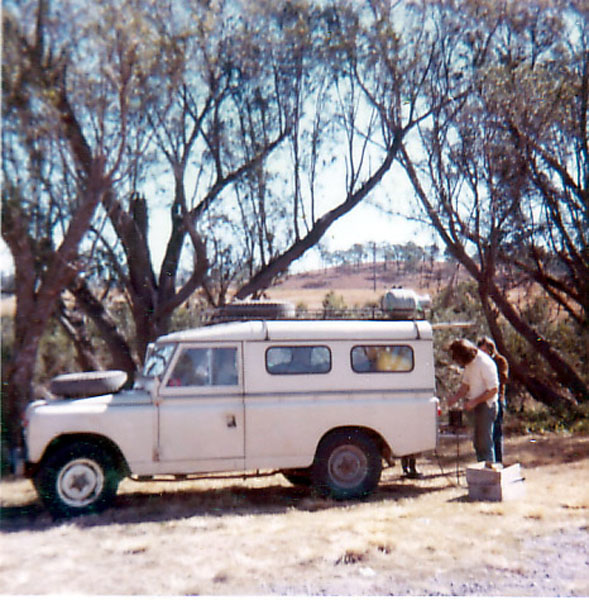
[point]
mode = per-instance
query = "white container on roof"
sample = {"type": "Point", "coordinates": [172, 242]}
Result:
{"type": "Point", "coordinates": [405, 302]}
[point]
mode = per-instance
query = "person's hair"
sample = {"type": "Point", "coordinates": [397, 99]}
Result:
{"type": "Point", "coordinates": [500, 360]}
{"type": "Point", "coordinates": [489, 343]}
{"type": "Point", "coordinates": [462, 351]}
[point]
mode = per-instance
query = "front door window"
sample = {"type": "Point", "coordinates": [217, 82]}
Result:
{"type": "Point", "coordinates": [205, 367]}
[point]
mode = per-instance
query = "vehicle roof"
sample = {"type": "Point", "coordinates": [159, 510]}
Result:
{"type": "Point", "coordinates": [300, 330]}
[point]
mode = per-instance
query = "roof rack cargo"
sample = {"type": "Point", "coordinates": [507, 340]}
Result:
{"type": "Point", "coordinates": [397, 304]}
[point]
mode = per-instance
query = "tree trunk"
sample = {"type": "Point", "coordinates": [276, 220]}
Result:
{"type": "Point", "coordinates": [74, 328]}
{"type": "Point", "coordinates": [566, 374]}
{"type": "Point", "coordinates": [19, 389]}
{"type": "Point", "coordinates": [37, 299]}
{"type": "Point", "coordinates": [121, 357]}
{"type": "Point", "coordinates": [483, 275]}
{"type": "Point", "coordinates": [541, 392]}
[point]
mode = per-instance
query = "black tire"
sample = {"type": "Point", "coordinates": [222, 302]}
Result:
{"type": "Point", "coordinates": [298, 477]}
{"type": "Point", "coordinates": [347, 465]}
{"type": "Point", "coordinates": [91, 383]}
{"type": "Point", "coordinates": [77, 479]}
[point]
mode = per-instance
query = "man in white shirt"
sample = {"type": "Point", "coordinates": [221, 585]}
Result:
{"type": "Point", "coordinates": [479, 388]}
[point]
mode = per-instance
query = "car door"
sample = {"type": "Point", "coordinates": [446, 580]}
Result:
{"type": "Point", "coordinates": [201, 411]}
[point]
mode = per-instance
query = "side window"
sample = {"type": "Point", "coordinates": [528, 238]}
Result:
{"type": "Point", "coordinates": [205, 367]}
{"type": "Point", "coordinates": [382, 359]}
{"type": "Point", "coordinates": [298, 360]}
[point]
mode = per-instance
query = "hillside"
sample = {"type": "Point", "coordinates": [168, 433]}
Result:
{"type": "Point", "coordinates": [361, 284]}
{"type": "Point", "coordinates": [358, 285]}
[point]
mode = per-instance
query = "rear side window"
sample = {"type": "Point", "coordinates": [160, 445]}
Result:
{"type": "Point", "coordinates": [298, 360]}
{"type": "Point", "coordinates": [382, 359]}
{"type": "Point", "coordinates": [205, 367]}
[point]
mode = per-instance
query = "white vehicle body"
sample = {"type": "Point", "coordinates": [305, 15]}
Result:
{"type": "Point", "coordinates": [259, 415]}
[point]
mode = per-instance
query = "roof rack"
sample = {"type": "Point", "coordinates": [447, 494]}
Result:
{"type": "Point", "coordinates": [396, 305]}
{"type": "Point", "coordinates": [367, 314]}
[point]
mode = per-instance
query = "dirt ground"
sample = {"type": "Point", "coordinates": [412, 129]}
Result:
{"type": "Point", "coordinates": [262, 536]}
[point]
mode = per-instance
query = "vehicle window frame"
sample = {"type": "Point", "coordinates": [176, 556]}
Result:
{"type": "Point", "coordinates": [356, 370]}
{"type": "Point", "coordinates": [163, 353]}
{"type": "Point", "coordinates": [206, 388]}
{"type": "Point", "coordinates": [298, 346]}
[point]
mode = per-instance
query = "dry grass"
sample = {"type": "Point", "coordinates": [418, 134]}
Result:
{"type": "Point", "coordinates": [356, 285]}
{"type": "Point", "coordinates": [263, 536]}
{"type": "Point", "coordinates": [312, 299]}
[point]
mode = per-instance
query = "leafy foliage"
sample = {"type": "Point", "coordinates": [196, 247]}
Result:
{"type": "Point", "coordinates": [504, 186]}
{"type": "Point", "coordinates": [235, 134]}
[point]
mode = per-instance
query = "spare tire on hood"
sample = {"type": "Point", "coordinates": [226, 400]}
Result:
{"type": "Point", "coordinates": [91, 383]}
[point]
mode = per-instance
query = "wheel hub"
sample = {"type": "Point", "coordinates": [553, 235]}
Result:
{"type": "Point", "coordinates": [80, 482]}
{"type": "Point", "coordinates": [348, 466]}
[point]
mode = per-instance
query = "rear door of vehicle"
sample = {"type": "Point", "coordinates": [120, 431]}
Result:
{"type": "Point", "coordinates": [201, 410]}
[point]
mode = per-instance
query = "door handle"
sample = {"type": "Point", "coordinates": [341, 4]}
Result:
{"type": "Point", "coordinates": [231, 421]}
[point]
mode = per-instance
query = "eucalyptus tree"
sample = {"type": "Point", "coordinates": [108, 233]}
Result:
{"type": "Point", "coordinates": [252, 127]}
{"type": "Point", "coordinates": [375, 62]}
{"type": "Point", "coordinates": [210, 77]}
{"type": "Point", "coordinates": [190, 71]}
{"type": "Point", "coordinates": [504, 178]}
{"type": "Point", "coordinates": [98, 100]}
{"type": "Point", "coordinates": [549, 132]}
{"type": "Point", "coordinates": [58, 163]}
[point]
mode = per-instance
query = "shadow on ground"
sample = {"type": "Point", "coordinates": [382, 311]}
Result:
{"type": "Point", "coordinates": [238, 499]}
{"type": "Point", "coordinates": [440, 470]}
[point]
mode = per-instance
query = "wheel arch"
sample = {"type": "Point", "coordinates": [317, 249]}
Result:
{"type": "Point", "coordinates": [101, 441]}
{"type": "Point", "coordinates": [383, 447]}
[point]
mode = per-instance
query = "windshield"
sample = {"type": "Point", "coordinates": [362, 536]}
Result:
{"type": "Point", "coordinates": [157, 358]}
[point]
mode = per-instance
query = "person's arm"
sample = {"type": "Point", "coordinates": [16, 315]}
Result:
{"type": "Point", "coordinates": [471, 404]}
{"type": "Point", "coordinates": [460, 393]}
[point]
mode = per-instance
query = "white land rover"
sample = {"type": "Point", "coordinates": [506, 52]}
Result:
{"type": "Point", "coordinates": [323, 402]}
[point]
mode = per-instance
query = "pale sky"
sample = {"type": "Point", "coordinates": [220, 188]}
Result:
{"type": "Point", "coordinates": [363, 225]}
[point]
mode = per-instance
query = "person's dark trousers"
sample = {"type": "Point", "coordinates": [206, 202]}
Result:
{"type": "Point", "coordinates": [498, 434]}
{"type": "Point", "coordinates": [484, 417]}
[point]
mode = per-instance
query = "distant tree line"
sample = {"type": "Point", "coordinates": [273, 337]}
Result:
{"type": "Point", "coordinates": [240, 132]}
{"type": "Point", "coordinates": [400, 256]}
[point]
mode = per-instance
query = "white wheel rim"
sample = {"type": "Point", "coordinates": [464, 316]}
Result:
{"type": "Point", "coordinates": [80, 482]}
{"type": "Point", "coordinates": [348, 466]}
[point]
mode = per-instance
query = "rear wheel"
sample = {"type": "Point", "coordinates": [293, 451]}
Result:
{"type": "Point", "coordinates": [347, 465]}
{"type": "Point", "coordinates": [77, 479]}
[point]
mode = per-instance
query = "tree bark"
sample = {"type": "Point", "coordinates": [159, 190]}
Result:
{"type": "Point", "coordinates": [37, 300]}
{"type": "Point", "coordinates": [121, 356]}
{"type": "Point", "coordinates": [74, 328]}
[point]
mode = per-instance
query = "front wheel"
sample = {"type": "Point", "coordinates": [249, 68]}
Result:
{"type": "Point", "coordinates": [77, 479]}
{"type": "Point", "coordinates": [347, 465]}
